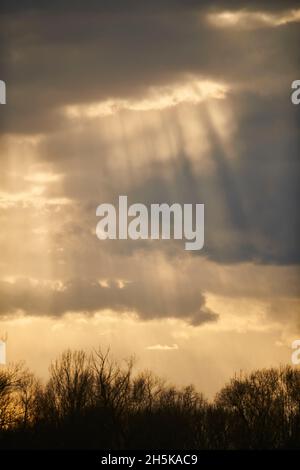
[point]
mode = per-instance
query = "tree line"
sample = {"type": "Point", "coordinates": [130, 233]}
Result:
{"type": "Point", "coordinates": [91, 401]}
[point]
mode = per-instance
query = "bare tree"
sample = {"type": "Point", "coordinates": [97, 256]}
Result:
{"type": "Point", "coordinates": [146, 391]}
{"type": "Point", "coordinates": [10, 407]}
{"type": "Point", "coordinates": [259, 407]}
{"type": "Point", "coordinates": [113, 389]}
{"type": "Point", "coordinates": [69, 389]}
{"type": "Point", "coordinates": [29, 390]}
{"type": "Point", "coordinates": [95, 402]}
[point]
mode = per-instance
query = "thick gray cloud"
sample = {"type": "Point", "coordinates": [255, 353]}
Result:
{"type": "Point", "coordinates": [143, 5]}
{"type": "Point", "coordinates": [82, 295]}
{"type": "Point", "coordinates": [60, 54]}
{"type": "Point", "coordinates": [251, 201]}
{"type": "Point", "coordinates": [53, 56]}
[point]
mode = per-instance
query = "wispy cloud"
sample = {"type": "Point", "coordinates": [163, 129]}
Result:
{"type": "Point", "coordinates": [162, 347]}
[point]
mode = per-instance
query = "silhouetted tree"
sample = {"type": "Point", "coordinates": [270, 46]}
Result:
{"type": "Point", "coordinates": [69, 389]}
{"type": "Point", "coordinates": [93, 401]}
{"type": "Point", "coordinates": [260, 407]}
{"type": "Point", "coordinates": [12, 407]}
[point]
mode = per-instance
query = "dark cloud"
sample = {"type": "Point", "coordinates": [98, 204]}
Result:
{"type": "Point", "coordinates": [101, 50]}
{"type": "Point", "coordinates": [251, 200]}
{"type": "Point", "coordinates": [61, 53]}
{"type": "Point", "coordinates": [124, 5]}
{"type": "Point", "coordinates": [88, 296]}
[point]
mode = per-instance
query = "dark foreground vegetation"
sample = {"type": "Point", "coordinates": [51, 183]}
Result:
{"type": "Point", "coordinates": [92, 402]}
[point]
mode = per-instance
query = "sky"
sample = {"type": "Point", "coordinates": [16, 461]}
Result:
{"type": "Point", "coordinates": [162, 101]}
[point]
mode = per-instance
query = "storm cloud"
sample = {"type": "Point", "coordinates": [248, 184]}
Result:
{"type": "Point", "coordinates": [164, 101]}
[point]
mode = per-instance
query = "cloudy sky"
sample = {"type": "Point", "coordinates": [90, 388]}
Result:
{"type": "Point", "coordinates": [164, 101]}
